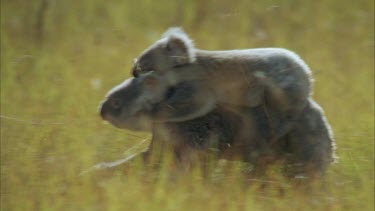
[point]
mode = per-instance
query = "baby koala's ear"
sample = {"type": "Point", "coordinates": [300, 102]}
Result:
{"type": "Point", "coordinates": [179, 46]}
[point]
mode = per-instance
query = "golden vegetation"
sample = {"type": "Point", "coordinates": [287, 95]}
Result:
{"type": "Point", "coordinates": [58, 59]}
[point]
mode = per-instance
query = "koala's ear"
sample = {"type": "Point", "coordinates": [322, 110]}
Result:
{"type": "Point", "coordinates": [179, 46]}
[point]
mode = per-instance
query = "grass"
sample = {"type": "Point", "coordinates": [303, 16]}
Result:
{"type": "Point", "coordinates": [58, 61]}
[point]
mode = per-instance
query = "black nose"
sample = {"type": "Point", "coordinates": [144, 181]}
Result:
{"type": "Point", "coordinates": [103, 108]}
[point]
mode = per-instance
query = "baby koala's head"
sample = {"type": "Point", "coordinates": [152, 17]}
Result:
{"type": "Point", "coordinates": [173, 50]}
{"type": "Point", "coordinates": [128, 104]}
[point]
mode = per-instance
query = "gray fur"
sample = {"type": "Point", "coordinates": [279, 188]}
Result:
{"type": "Point", "coordinates": [184, 44]}
{"type": "Point", "coordinates": [255, 101]}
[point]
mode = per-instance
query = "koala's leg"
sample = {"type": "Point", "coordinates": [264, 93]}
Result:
{"type": "Point", "coordinates": [287, 87]}
{"type": "Point", "coordinates": [280, 122]}
{"type": "Point", "coordinates": [185, 101]}
{"type": "Point", "coordinates": [283, 112]}
{"type": "Point", "coordinates": [251, 139]}
{"type": "Point", "coordinates": [260, 153]}
{"type": "Point", "coordinates": [310, 144]}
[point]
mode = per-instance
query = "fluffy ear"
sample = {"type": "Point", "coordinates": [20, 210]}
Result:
{"type": "Point", "coordinates": [179, 46]}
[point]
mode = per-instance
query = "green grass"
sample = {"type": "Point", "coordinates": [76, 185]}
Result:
{"type": "Point", "coordinates": [57, 63]}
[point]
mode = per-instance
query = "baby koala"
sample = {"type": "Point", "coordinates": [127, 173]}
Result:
{"type": "Point", "coordinates": [273, 77]}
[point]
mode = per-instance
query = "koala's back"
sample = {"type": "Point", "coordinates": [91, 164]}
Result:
{"type": "Point", "coordinates": [242, 77]}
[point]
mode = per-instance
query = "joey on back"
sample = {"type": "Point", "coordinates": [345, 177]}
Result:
{"type": "Point", "coordinates": [273, 77]}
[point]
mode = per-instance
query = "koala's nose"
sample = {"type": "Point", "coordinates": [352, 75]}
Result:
{"type": "Point", "coordinates": [103, 110]}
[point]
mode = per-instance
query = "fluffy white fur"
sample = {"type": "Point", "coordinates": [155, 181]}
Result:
{"type": "Point", "coordinates": [178, 34]}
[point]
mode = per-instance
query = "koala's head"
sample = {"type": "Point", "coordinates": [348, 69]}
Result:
{"type": "Point", "coordinates": [127, 105]}
{"type": "Point", "coordinates": [173, 50]}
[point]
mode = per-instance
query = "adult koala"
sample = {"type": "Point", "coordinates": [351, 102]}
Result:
{"type": "Point", "coordinates": [238, 132]}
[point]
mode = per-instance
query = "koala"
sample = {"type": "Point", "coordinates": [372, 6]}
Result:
{"type": "Point", "coordinates": [273, 77]}
{"type": "Point", "coordinates": [238, 133]}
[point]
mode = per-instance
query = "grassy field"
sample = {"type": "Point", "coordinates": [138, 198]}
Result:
{"type": "Point", "coordinates": [59, 58]}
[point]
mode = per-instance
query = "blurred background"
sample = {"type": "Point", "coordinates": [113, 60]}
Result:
{"type": "Point", "coordinates": [59, 58]}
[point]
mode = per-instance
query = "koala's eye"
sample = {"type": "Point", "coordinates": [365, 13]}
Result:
{"type": "Point", "coordinates": [142, 69]}
{"type": "Point", "coordinates": [115, 103]}
{"type": "Point", "coordinates": [170, 92]}
{"type": "Point", "coordinates": [145, 70]}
